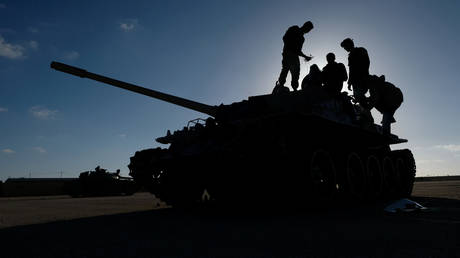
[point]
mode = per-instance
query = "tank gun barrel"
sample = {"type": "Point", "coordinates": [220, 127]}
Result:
{"type": "Point", "coordinates": [190, 104]}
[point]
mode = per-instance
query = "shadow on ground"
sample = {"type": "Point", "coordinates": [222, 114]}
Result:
{"type": "Point", "coordinates": [356, 231]}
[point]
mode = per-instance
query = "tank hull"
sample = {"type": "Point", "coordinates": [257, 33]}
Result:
{"type": "Point", "coordinates": [282, 158]}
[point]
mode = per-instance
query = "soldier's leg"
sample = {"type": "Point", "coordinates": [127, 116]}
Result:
{"type": "Point", "coordinates": [284, 71]}
{"type": "Point", "coordinates": [359, 92]}
{"type": "Point", "coordinates": [295, 73]}
{"type": "Point", "coordinates": [360, 88]}
{"type": "Point", "coordinates": [387, 119]}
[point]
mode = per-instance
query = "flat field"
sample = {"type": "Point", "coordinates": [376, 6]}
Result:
{"type": "Point", "coordinates": [140, 226]}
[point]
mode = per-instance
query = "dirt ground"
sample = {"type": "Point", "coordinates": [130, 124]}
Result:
{"type": "Point", "coordinates": [15, 211]}
{"type": "Point", "coordinates": [135, 226]}
{"type": "Point", "coordinates": [441, 189]}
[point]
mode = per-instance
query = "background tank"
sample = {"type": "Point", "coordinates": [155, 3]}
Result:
{"type": "Point", "coordinates": [100, 182]}
{"type": "Point", "coordinates": [270, 149]}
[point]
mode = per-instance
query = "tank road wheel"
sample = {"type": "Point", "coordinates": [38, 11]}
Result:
{"type": "Point", "coordinates": [184, 187]}
{"type": "Point", "coordinates": [356, 177]}
{"type": "Point", "coordinates": [391, 178]}
{"type": "Point", "coordinates": [180, 189]}
{"type": "Point", "coordinates": [323, 175]}
{"type": "Point", "coordinates": [406, 168]}
{"type": "Point", "coordinates": [375, 176]}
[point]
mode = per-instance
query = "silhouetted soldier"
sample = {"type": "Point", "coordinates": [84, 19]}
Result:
{"type": "Point", "coordinates": [293, 41]}
{"type": "Point", "coordinates": [313, 80]}
{"type": "Point", "coordinates": [98, 169]}
{"type": "Point", "coordinates": [358, 65]}
{"type": "Point", "coordinates": [334, 74]}
{"type": "Point", "coordinates": [386, 98]}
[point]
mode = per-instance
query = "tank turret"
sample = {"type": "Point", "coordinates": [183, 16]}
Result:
{"type": "Point", "coordinates": [288, 147]}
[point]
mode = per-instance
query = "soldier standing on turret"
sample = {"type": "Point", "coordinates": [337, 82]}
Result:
{"type": "Point", "coordinates": [358, 65]}
{"type": "Point", "coordinates": [293, 41]}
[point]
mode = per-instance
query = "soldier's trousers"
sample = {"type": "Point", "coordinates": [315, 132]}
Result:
{"type": "Point", "coordinates": [359, 90]}
{"type": "Point", "coordinates": [334, 88]}
{"type": "Point", "coordinates": [291, 64]}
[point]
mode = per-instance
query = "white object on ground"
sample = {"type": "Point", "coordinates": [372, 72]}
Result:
{"type": "Point", "coordinates": [404, 205]}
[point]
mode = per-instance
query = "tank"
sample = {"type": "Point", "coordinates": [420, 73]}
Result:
{"type": "Point", "coordinates": [100, 182]}
{"type": "Point", "coordinates": [270, 149]}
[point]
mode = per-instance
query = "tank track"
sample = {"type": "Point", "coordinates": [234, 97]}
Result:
{"type": "Point", "coordinates": [363, 176]}
{"type": "Point", "coordinates": [379, 175]}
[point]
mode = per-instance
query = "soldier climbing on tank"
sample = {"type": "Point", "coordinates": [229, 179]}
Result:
{"type": "Point", "coordinates": [293, 41]}
{"type": "Point", "coordinates": [358, 65]}
{"type": "Point", "coordinates": [333, 74]}
{"type": "Point", "coordinates": [386, 98]}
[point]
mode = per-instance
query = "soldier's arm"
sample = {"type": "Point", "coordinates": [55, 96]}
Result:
{"type": "Point", "coordinates": [350, 75]}
{"type": "Point", "coordinates": [363, 56]}
{"type": "Point", "coordinates": [366, 56]}
{"type": "Point", "coordinates": [307, 58]}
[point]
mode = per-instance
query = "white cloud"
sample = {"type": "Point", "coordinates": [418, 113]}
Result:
{"type": "Point", "coordinates": [3, 109]}
{"type": "Point", "coordinates": [72, 55]}
{"type": "Point", "coordinates": [128, 24]}
{"type": "Point", "coordinates": [42, 112]}
{"type": "Point", "coordinates": [2, 6]}
{"type": "Point", "coordinates": [449, 147]}
{"type": "Point", "coordinates": [123, 136]}
{"type": "Point", "coordinates": [11, 51]}
{"type": "Point", "coordinates": [8, 151]}
{"type": "Point", "coordinates": [39, 149]}
{"type": "Point", "coordinates": [33, 44]}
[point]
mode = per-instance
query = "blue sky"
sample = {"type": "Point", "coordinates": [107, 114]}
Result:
{"type": "Point", "coordinates": [209, 51]}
